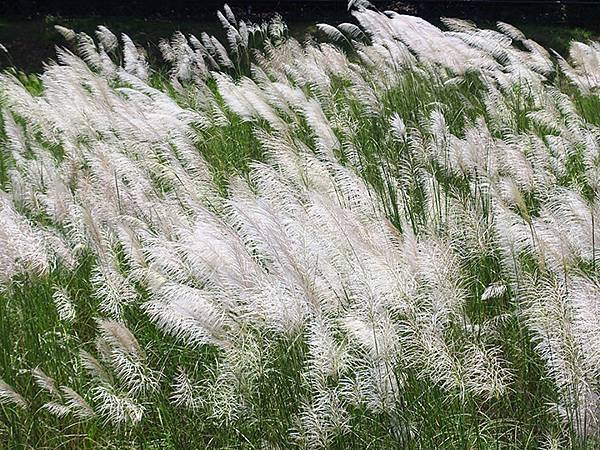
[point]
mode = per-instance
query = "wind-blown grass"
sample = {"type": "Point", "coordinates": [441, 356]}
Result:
{"type": "Point", "coordinates": [383, 238]}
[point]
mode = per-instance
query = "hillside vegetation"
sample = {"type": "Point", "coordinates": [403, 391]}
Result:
{"type": "Point", "coordinates": [384, 237]}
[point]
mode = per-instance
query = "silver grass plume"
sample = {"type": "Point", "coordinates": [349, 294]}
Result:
{"type": "Point", "coordinates": [8, 396]}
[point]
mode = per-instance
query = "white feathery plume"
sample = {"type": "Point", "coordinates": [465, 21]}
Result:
{"type": "Point", "coordinates": [17, 144]}
{"type": "Point", "coordinates": [119, 337]}
{"type": "Point", "coordinates": [128, 360]}
{"type": "Point", "coordinates": [45, 382]}
{"type": "Point", "coordinates": [584, 295]}
{"type": "Point", "coordinates": [112, 288]}
{"type": "Point", "coordinates": [511, 31]}
{"type": "Point", "coordinates": [550, 315]}
{"type": "Point", "coordinates": [23, 247]}
{"type": "Point", "coordinates": [485, 371]}
{"type": "Point", "coordinates": [229, 14]}
{"type": "Point", "coordinates": [107, 38]}
{"type": "Point", "coordinates": [86, 47]}
{"type": "Point", "coordinates": [57, 409]}
{"type": "Point", "coordinates": [94, 368]}
{"type": "Point", "coordinates": [184, 392]}
{"type": "Point", "coordinates": [220, 54]}
{"type": "Point", "coordinates": [64, 304]}
{"type": "Point", "coordinates": [322, 420]}
{"type": "Point", "coordinates": [376, 386]}
{"type": "Point", "coordinates": [8, 396]}
{"type": "Point", "coordinates": [328, 358]}
{"type": "Point", "coordinates": [493, 291]}
{"type": "Point", "coordinates": [458, 25]}
{"type": "Point", "coordinates": [325, 139]}
{"type": "Point", "coordinates": [77, 405]}
{"type": "Point", "coordinates": [135, 62]}
{"type": "Point", "coordinates": [358, 4]}
{"type": "Point", "coordinates": [351, 30]}
{"type": "Point", "coordinates": [585, 69]}
{"type": "Point", "coordinates": [378, 339]}
{"type": "Point", "coordinates": [67, 33]}
{"type": "Point", "coordinates": [115, 407]}
{"type": "Point", "coordinates": [398, 127]}
{"type": "Point", "coordinates": [331, 32]}
{"type": "Point", "coordinates": [187, 313]}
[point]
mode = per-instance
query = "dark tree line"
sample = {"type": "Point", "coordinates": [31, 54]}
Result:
{"type": "Point", "coordinates": [143, 8]}
{"type": "Point", "coordinates": [573, 12]}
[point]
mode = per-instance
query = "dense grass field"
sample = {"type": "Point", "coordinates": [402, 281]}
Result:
{"type": "Point", "coordinates": [382, 237]}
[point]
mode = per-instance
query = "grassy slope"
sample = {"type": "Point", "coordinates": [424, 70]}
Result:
{"type": "Point", "coordinates": [31, 332]}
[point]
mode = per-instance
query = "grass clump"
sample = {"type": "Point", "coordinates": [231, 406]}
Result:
{"type": "Point", "coordinates": [386, 238]}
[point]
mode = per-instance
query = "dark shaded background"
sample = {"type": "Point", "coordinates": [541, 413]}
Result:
{"type": "Point", "coordinates": [571, 12]}
{"type": "Point", "coordinates": [171, 8]}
